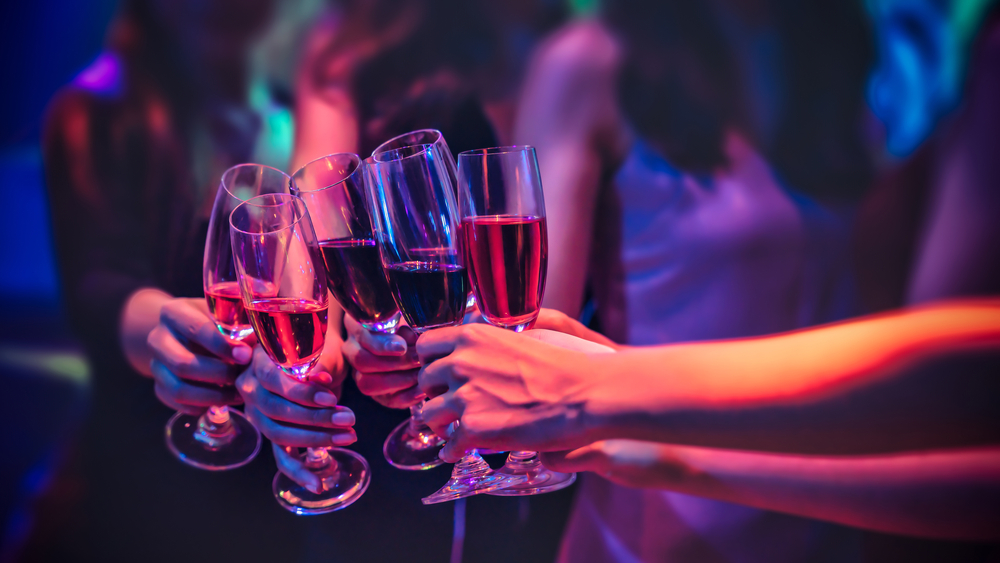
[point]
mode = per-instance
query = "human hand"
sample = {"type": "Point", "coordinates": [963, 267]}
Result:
{"type": "Point", "coordinates": [295, 413]}
{"type": "Point", "coordinates": [508, 391]}
{"type": "Point", "coordinates": [194, 365]}
{"type": "Point", "coordinates": [632, 463]}
{"type": "Point", "coordinates": [386, 365]}
{"type": "Point", "coordinates": [552, 319]}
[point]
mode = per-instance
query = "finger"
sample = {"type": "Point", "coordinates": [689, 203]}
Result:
{"type": "Point", "coordinates": [287, 434]}
{"type": "Point", "coordinates": [192, 324]}
{"type": "Point", "coordinates": [435, 378]}
{"type": "Point", "coordinates": [366, 361]}
{"type": "Point", "coordinates": [440, 412]}
{"type": "Point", "coordinates": [402, 399]}
{"type": "Point", "coordinates": [588, 458]}
{"type": "Point", "coordinates": [311, 393]}
{"type": "Point", "coordinates": [291, 465]}
{"type": "Point", "coordinates": [459, 443]}
{"type": "Point", "coordinates": [279, 408]}
{"type": "Point", "coordinates": [187, 393]}
{"type": "Point", "coordinates": [167, 400]}
{"type": "Point", "coordinates": [186, 364]}
{"type": "Point", "coordinates": [378, 343]}
{"type": "Point", "coordinates": [385, 383]}
{"type": "Point", "coordinates": [438, 343]}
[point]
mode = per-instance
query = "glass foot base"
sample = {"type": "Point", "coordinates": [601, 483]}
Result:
{"type": "Point", "coordinates": [472, 476]}
{"type": "Point", "coordinates": [413, 452]}
{"type": "Point", "coordinates": [346, 478]}
{"type": "Point", "coordinates": [193, 444]}
{"type": "Point", "coordinates": [544, 481]}
{"type": "Point", "coordinates": [538, 479]}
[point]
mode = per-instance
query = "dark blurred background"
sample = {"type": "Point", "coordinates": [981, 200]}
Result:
{"type": "Point", "coordinates": [50, 498]}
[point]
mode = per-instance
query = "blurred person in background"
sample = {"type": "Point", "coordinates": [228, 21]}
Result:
{"type": "Point", "coordinates": [655, 126]}
{"type": "Point", "coordinates": [921, 47]}
{"type": "Point", "coordinates": [134, 149]}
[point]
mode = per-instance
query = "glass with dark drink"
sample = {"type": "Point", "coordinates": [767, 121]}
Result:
{"type": "Point", "coordinates": [416, 219]}
{"type": "Point", "coordinates": [333, 190]}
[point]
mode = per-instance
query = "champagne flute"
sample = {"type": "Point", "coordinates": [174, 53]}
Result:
{"type": "Point", "coordinates": [283, 286]}
{"type": "Point", "coordinates": [506, 247]}
{"type": "Point", "coordinates": [333, 190]}
{"type": "Point", "coordinates": [429, 137]}
{"type": "Point", "coordinates": [222, 438]}
{"type": "Point", "coordinates": [414, 208]}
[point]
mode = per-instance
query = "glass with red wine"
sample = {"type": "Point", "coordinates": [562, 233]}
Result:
{"type": "Point", "coordinates": [506, 248]}
{"type": "Point", "coordinates": [222, 438]}
{"type": "Point", "coordinates": [333, 189]}
{"type": "Point", "coordinates": [283, 284]}
{"type": "Point", "coordinates": [416, 220]}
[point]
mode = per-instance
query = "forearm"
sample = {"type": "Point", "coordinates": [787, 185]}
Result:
{"type": "Point", "coordinates": [915, 379]}
{"type": "Point", "coordinates": [140, 315]}
{"type": "Point", "coordinates": [950, 494]}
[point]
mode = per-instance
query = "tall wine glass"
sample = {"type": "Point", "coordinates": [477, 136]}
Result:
{"type": "Point", "coordinates": [416, 221]}
{"type": "Point", "coordinates": [222, 438]}
{"type": "Point", "coordinates": [429, 137]}
{"type": "Point", "coordinates": [283, 286]}
{"type": "Point", "coordinates": [333, 189]}
{"type": "Point", "coordinates": [506, 248]}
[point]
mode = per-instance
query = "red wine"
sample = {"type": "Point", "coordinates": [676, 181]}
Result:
{"type": "Point", "coordinates": [292, 331]}
{"type": "Point", "coordinates": [507, 258]}
{"type": "Point", "coordinates": [226, 305]}
{"type": "Point", "coordinates": [429, 295]}
{"type": "Point", "coordinates": [354, 270]}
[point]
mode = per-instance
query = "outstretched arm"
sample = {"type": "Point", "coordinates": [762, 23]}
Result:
{"type": "Point", "coordinates": [914, 379]}
{"type": "Point", "coordinates": [946, 494]}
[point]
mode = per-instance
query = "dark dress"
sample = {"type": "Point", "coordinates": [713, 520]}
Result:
{"type": "Point", "coordinates": [128, 213]}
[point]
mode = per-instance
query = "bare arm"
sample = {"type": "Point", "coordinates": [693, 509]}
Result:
{"type": "Point", "coordinates": [915, 379]}
{"type": "Point", "coordinates": [946, 494]}
{"type": "Point", "coordinates": [566, 107]}
{"type": "Point", "coordinates": [924, 377]}
{"type": "Point", "coordinates": [325, 118]}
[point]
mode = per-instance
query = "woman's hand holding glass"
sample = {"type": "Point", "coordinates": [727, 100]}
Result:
{"type": "Point", "coordinates": [508, 391]}
{"type": "Point", "coordinates": [385, 365]}
{"type": "Point", "coordinates": [194, 365]}
{"type": "Point", "coordinates": [296, 414]}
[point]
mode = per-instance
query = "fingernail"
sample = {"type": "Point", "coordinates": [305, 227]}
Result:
{"type": "Point", "coordinates": [325, 399]}
{"type": "Point", "coordinates": [343, 418]}
{"type": "Point", "coordinates": [397, 346]}
{"type": "Point", "coordinates": [343, 439]}
{"type": "Point", "coordinates": [242, 354]}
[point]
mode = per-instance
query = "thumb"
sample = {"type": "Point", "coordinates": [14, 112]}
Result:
{"type": "Point", "coordinates": [458, 445]}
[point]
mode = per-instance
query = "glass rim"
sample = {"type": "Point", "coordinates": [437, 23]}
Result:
{"type": "Point", "coordinates": [424, 148]}
{"type": "Point", "coordinates": [378, 149]}
{"type": "Point", "coordinates": [292, 199]}
{"type": "Point", "coordinates": [353, 156]}
{"type": "Point", "coordinates": [222, 181]}
{"type": "Point", "coordinates": [490, 151]}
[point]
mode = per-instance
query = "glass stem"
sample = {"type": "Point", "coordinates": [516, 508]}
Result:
{"type": "Point", "coordinates": [523, 462]}
{"type": "Point", "coordinates": [215, 428]}
{"type": "Point", "coordinates": [322, 465]}
{"type": "Point", "coordinates": [417, 426]}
